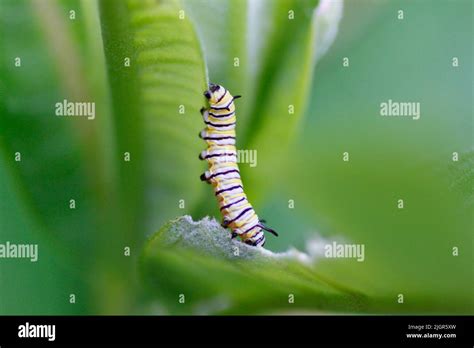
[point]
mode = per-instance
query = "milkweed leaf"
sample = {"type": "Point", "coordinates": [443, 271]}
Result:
{"type": "Point", "coordinates": [201, 261]}
{"type": "Point", "coordinates": [156, 95]}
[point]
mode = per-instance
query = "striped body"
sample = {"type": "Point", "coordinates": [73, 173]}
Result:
{"type": "Point", "coordinates": [223, 172]}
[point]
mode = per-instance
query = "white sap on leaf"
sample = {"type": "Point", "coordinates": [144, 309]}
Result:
{"type": "Point", "coordinates": [209, 237]}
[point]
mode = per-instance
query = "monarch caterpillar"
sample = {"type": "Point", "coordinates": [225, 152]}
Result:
{"type": "Point", "coordinates": [223, 173]}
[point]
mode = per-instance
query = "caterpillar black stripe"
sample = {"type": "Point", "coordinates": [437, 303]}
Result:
{"type": "Point", "coordinates": [223, 172]}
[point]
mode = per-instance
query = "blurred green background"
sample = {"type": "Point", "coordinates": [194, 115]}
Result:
{"type": "Point", "coordinates": [120, 204]}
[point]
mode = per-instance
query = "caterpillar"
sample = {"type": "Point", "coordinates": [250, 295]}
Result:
{"type": "Point", "coordinates": [223, 173]}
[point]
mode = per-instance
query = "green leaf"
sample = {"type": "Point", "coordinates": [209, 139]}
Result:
{"type": "Point", "coordinates": [27, 119]}
{"type": "Point", "coordinates": [49, 279]}
{"type": "Point", "coordinates": [220, 275]}
{"type": "Point", "coordinates": [166, 76]}
{"type": "Point", "coordinates": [282, 88]}
{"type": "Point", "coordinates": [220, 47]}
{"type": "Point", "coordinates": [223, 33]}
{"type": "Point", "coordinates": [462, 177]}
{"type": "Point", "coordinates": [36, 190]}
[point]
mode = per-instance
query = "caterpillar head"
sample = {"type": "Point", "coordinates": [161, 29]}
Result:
{"type": "Point", "coordinates": [215, 93]}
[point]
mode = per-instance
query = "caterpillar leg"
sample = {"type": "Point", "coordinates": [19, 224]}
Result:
{"type": "Point", "coordinates": [204, 113]}
{"type": "Point", "coordinates": [205, 176]}
{"type": "Point", "coordinates": [203, 133]}
{"type": "Point", "coordinates": [225, 223]}
{"type": "Point", "coordinates": [234, 235]}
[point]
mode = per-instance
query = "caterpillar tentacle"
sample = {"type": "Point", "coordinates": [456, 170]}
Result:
{"type": "Point", "coordinates": [223, 173]}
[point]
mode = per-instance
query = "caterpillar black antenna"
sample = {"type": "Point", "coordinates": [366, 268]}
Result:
{"type": "Point", "coordinates": [272, 231]}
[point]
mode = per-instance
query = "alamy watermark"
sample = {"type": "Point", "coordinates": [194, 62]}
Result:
{"type": "Point", "coordinates": [404, 109]}
{"type": "Point", "coordinates": [28, 330]}
{"type": "Point", "coordinates": [21, 251]}
{"type": "Point", "coordinates": [247, 156]}
{"type": "Point", "coordinates": [340, 250]}
{"type": "Point", "coordinates": [67, 108]}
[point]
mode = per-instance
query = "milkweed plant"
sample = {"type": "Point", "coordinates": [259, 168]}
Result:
{"type": "Point", "coordinates": [100, 114]}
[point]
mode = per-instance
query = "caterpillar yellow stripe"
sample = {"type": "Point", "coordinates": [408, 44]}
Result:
{"type": "Point", "coordinates": [223, 173]}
